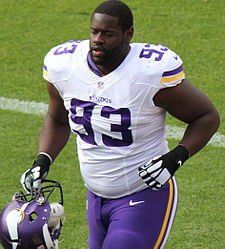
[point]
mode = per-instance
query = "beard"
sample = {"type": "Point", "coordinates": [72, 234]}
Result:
{"type": "Point", "coordinates": [109, 56]}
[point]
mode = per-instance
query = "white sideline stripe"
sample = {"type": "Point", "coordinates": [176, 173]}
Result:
{"type": "Point", "coordinates": [175, 132]}
{"type": "Point", "coordinates": [32, 107]}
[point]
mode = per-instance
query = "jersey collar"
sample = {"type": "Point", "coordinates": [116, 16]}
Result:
{"type": "Point", "coordinates": [93, 67]}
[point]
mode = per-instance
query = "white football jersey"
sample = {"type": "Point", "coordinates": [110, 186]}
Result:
{"type": "Point", "coordinates": [119, 128]}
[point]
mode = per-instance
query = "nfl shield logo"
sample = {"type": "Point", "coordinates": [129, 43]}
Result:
{"type": "Point", "coordinates": [100, 84]}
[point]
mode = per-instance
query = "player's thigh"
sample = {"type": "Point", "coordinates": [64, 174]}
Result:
{"type": "Point", "coordinates": [97, 231]}
{"type": "Point", "coordinates": [144, 225]}
{"type": "Point", "coordinates": [127, 230]}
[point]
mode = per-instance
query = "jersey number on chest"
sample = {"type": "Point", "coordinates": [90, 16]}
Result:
{"type": "Point", "coordinates": [83, 114]}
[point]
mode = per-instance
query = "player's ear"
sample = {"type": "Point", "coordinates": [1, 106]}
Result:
{"type": "Point", "coordinates": [129, 34]}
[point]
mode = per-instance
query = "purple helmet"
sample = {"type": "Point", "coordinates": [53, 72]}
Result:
{"type": "Point", "coordinates": [33, 223]}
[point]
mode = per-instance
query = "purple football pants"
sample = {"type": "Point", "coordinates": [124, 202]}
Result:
{"type": "Point", "coordinates": [142, 220]}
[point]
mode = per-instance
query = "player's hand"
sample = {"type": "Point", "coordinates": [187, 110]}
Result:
{"type": "Point", "coordinates": [32, 178]}
{"type": "Point", "coordinates": [157, 172]}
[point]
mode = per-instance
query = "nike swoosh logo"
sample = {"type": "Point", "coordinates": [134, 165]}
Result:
{"type": "Point", "coordinates": [133, 203]}
{"type": "Point", "coordinates": [179, 163]}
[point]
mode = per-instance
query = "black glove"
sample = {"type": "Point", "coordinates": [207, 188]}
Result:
{"type": "Point", "coordinates": [32, 178]}
{"type": "Point", "coordinates": [157, 172]}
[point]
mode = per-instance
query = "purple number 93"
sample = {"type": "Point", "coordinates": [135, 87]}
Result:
{"type": "Point", "coordinates": [148, 52]}
{"type": "Point", "coordinates": [68, 47]}
{"type": "Point", "coordinates": [87, 118]}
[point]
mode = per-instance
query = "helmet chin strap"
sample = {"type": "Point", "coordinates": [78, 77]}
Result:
{"type": "Point", "coordinates": [48, 240]}
{"type": "Point", "coordinates": [56, 214]}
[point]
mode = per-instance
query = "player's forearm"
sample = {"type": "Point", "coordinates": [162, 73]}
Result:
{"type": "Point", "coordinates": [53, 137]}
{"type": "Point", "coordinates": [199, 132]}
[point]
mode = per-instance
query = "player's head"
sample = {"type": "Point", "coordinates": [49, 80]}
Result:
{"type": "Point", "coordinates": [111, 32]}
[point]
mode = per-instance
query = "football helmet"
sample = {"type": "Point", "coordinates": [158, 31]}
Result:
{"type": "Point", "coordinates": [30, 222]}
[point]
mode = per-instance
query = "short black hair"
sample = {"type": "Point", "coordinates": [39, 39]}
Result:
{"type": "Point", "coordinates": [118, 9]}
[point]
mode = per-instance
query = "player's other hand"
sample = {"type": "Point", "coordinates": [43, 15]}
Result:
{"type": "Point", "coordinates": [32, 178]}
{"type": "Point", "coordinates": [157, 172]}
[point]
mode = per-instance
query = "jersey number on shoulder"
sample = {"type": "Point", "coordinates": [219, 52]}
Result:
{"type": "Point", "coordinates": [88, 115]}
{"type": "Point", "coordinates": [68, 47]}
{"type": "Point", "coordinates": [149, 52]}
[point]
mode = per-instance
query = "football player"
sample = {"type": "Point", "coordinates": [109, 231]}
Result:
{"type": "Point", "coordinates": [114, 95]}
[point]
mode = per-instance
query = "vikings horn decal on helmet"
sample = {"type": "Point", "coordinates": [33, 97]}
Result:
{"type": "Point", "coordinates": [29, 222]}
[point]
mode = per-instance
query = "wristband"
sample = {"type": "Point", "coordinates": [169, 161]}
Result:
{"type": "Point", "coordinates": [44, 153]}
{"type": "Point", "coordinates": [182, 153]}
{"type": "Point", "coordinates": [43, 161]}
{"type": "Point", "coordinates": [178, 155]}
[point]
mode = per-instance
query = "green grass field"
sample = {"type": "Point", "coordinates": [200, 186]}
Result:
{"type": "Point", "coordinates": [192, 28]}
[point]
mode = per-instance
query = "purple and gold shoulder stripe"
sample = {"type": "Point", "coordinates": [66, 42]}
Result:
{"type": "Point", "coordinates": [173, 75]}
{"type": "Point", "coordinates": [45, 71]}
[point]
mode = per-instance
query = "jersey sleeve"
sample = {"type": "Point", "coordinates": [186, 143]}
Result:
{"type": "Point", "coordinates": [50, 65]}
{"type": "Point", "coordinates": [59, 62]}
{"type": "Point", "coordinates": [172, 73]}
{"type": "Point", "coordinates": [46, 73]}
